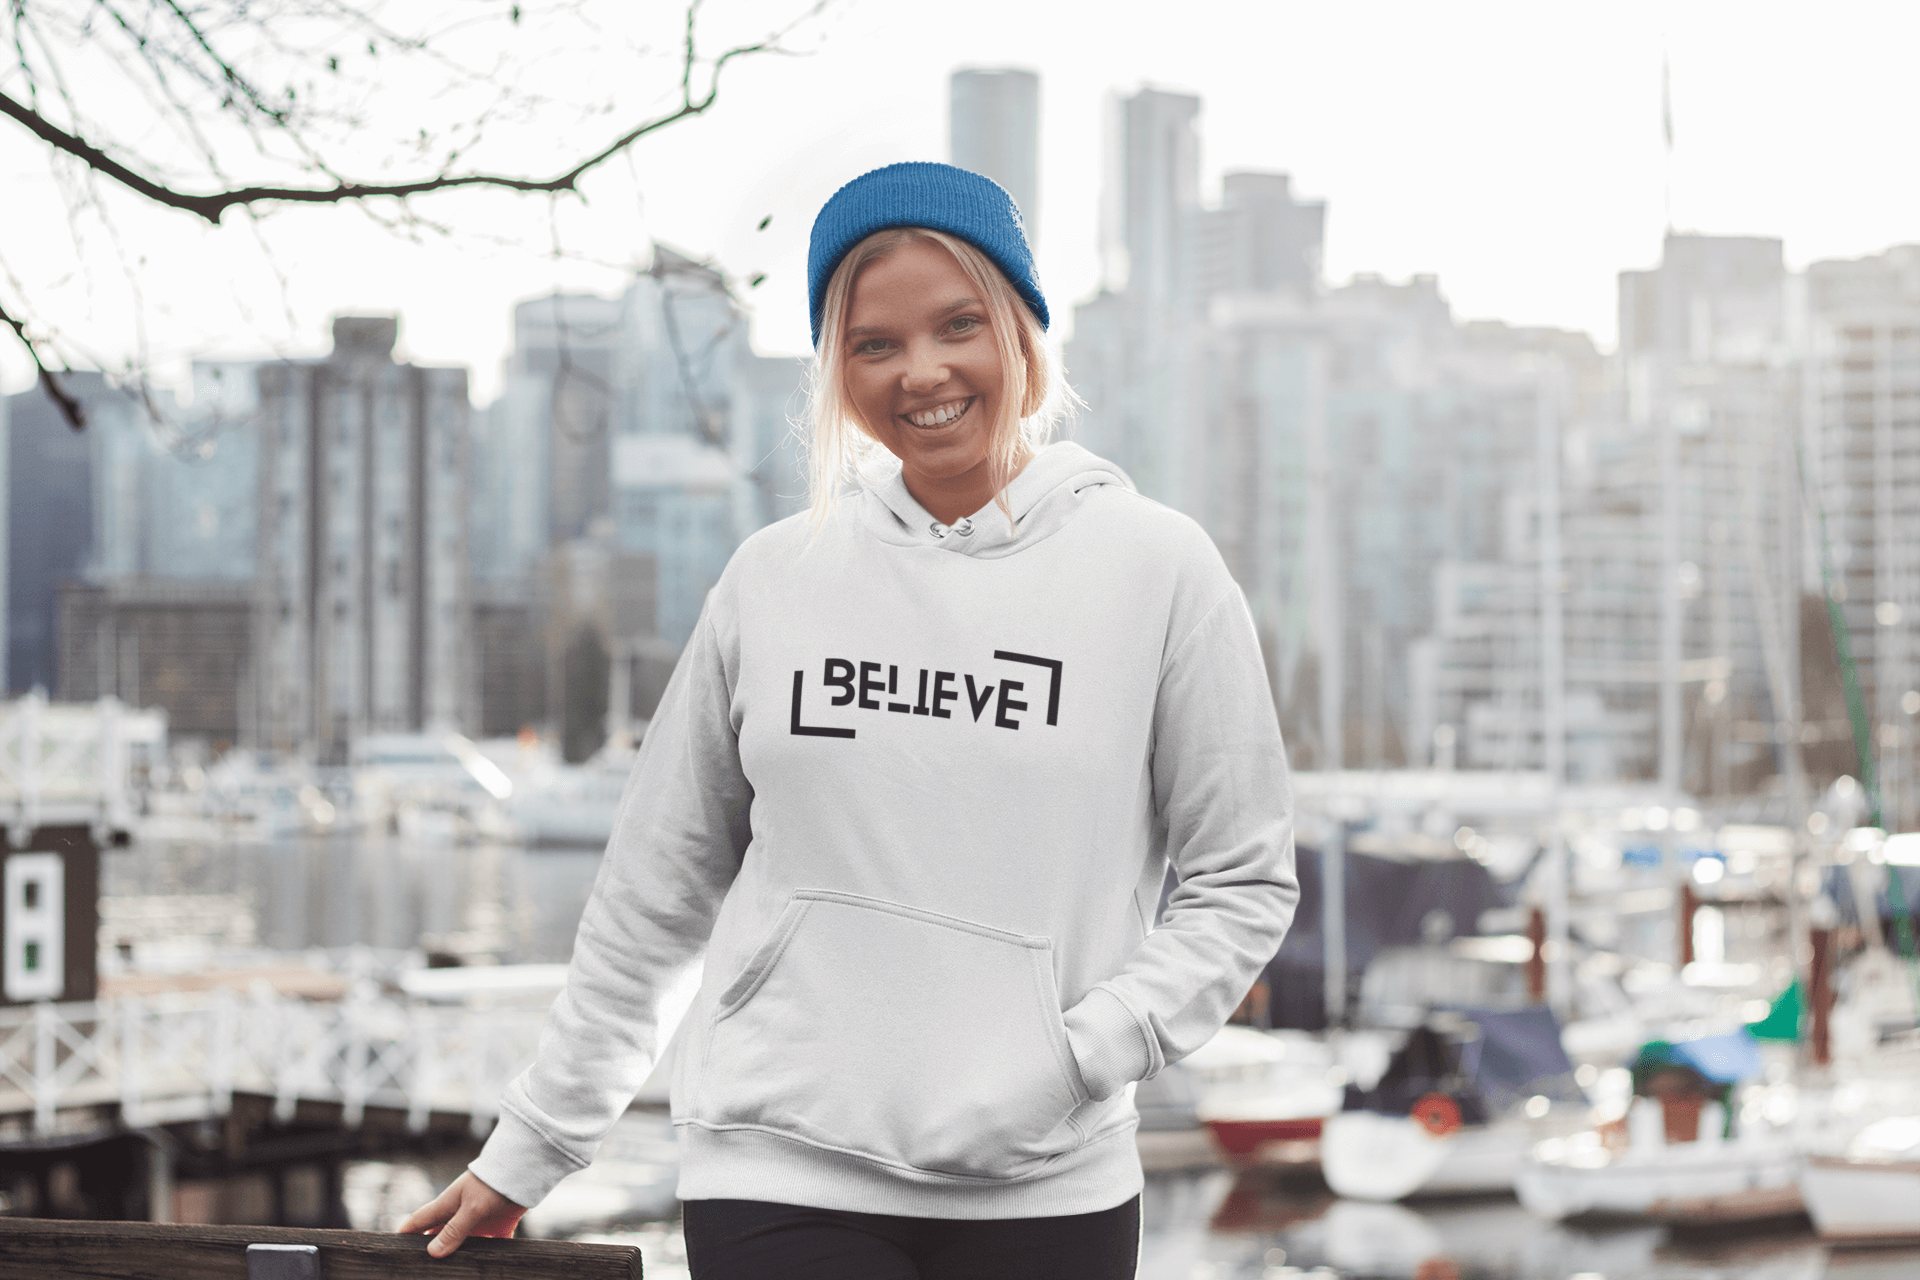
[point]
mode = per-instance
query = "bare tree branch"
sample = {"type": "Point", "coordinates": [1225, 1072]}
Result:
{"type": "Point", "coordinates": [201, 64]}
{"type": "Point", "coordinates": [213, 205]}
{"type": "Point", "coordinates": [70, 408]}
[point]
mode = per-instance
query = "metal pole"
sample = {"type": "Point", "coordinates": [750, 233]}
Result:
{"type": "Point", "coordinates": [1553, 690]}
{"type": "Point", "coordinates": [1333, 923]}
{"type": "Point", "coordinates": [1670, 626]}
{"type": "Point", "coordinates": [1329, 628]}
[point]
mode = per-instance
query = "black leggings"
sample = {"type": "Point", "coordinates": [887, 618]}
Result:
{"type": "Point", "coordinates": [755, 1240]}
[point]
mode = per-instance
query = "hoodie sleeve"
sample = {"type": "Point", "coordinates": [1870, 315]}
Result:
{"type": "Point", "coordinates": [678, 839]}
{"type": "Point", "coordinates": [1222, 796]}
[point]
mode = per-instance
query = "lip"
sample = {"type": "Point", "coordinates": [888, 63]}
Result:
{"type": "Point", "coordinates": [962, 417]}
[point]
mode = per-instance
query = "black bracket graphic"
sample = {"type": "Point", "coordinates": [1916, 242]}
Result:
{"type": "Point", "coordinates": [1053, 689]}
{"type": "Point", "coordinates": [807, 730]}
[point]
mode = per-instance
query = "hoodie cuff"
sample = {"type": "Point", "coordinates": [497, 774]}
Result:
{"type": "Point", "coordinates": [520, 1163]}
{"type": "Point", "coordinates": [1108, 1044]}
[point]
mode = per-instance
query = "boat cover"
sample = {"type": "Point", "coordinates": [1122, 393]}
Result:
{"type": "Point", "coordinates": [1725, 1059]}
{"type": "Point", "coordinates": [1387, 902]}
{"type": "Point", "coordinates": [1518, 1055]}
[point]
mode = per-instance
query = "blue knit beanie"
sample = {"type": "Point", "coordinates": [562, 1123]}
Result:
{"type": "Point", "coordinates": [920, 193]}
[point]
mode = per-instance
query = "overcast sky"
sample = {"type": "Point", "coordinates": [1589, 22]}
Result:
{"type": "Point", "coordinates": [1514, 149]}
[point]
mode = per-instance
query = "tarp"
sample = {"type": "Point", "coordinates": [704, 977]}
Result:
{"type": "Point", "coordinates": [1515, 1055]}
{"type": "Point", "coordinates": [1427, 1063]}
{"type": "Point", "coordinates": [1725, 1059]}
{"type": "Point", "coordinates": [1518, 1055]}
{"type": "Point", "coordinates": [1387, 901]}
{"type": "Point", "coordinates": [1783, 1017]}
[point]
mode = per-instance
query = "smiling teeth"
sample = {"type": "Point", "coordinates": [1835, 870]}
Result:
{"type": "Point", "coordinates": [935, 417]}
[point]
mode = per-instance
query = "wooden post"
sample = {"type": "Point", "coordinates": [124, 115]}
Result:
{"type": "Point", "coordinates": [1820, 995]}
{"type": "Point", "coordinates": [1537, 962]}
{"type": "Point", "coordinates": [49, 1250]}
{"type": "Point", "coordinates": [1689, 905]}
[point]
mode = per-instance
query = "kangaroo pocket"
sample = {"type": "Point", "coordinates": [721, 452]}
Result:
{"type": "Point", "coordinates": [915, 1039]}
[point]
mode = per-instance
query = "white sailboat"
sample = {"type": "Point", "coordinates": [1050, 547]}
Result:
{"type": "Point", "coordinates": [1367, 1156]}
{"type": "Point", "coordinates": [1707, 1181]}
{"type": "Point", "coordinates": [1869, 1191]}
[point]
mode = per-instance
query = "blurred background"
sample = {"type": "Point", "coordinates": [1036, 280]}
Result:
{"type": "Point", "coordinates": [386, 385]}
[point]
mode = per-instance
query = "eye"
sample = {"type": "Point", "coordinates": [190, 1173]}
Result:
{"type": "Point", "coordinates": [870, 347]}
{"type": "Point", "coordinates": [964, 324]}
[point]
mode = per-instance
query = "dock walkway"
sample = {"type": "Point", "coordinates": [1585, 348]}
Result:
{"type": "Point", "coordinates": [176, 1057]}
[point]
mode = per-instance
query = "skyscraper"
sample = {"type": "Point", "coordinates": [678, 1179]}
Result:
{"type": "Point", "coordinates": [994, 129]}
{"type": "Point", "coordinates": [50, 516]}
{"type": "Point", "coordinates": [699, 456]}
{"type": "Point", "coordinates": [1863, 406]}
{"type": "Point", "coordinates": [1709, 424]}
{"type": "Point", "coordinates": [1153, 182]}
{"type": "Point", "coordinates": [362, 604]}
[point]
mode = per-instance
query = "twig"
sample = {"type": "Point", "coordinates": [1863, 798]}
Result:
{"type": "Point", "coordinates": [213, 205]}
{"type": "Point", "coordinates": [70, 408]}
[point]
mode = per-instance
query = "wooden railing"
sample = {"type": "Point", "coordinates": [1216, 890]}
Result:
{"type": "Point", "coordinates": [49, 1250]}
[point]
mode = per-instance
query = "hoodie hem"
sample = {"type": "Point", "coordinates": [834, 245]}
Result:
{"type": "Point", "coordinates": [753, 1164]}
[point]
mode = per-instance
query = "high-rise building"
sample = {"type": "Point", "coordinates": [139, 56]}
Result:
{"type": "Point", "coordinates": [201, 492]}
{"type": "Point", "coordinates": [543, 466]}
{"type": "Point", "coordinates": [50, 516]}
{"type": "Point", "coordinates": [700, 454]}
{"type": "Point", "coordinates": [1863, 411]}
{"type": "Point", "coordinates": [541, 477]}
{"type": "Point", "coordinates": [183, 645]}
{"type": "Point", "coordinates": [1169, 258]}
{"type": "Point", "coordinates": [133, 545]}
{"type": "Point", "coordinates": [636, 441]}
{"type": "Point", "coordinates": [1709, 379]}
{"type": "Point", "coordinates": [363, 607]}
{"type": "Point", "coordinates": [1260, 240]}
{"type": "Point", "coordinates": [1153, 180]}
{"type": "Point", "coordinates": [994, 129]}
{"type": "Point", "coordinates": [1679, 543]}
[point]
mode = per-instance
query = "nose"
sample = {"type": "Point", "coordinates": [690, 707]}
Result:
{"type": "Point", "coordinates": [926, 368]}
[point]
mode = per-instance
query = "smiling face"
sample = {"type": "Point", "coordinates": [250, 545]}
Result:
{"type": "Point", "coordinates": [923, 373]}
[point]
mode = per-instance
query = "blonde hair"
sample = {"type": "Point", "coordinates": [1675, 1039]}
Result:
{"type": "Point", "coordinates": [841, 450]}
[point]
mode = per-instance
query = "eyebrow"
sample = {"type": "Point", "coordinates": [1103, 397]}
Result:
{"type": "Point", "coordinates": [958, 304]}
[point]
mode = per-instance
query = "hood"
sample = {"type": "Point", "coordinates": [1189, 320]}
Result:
{"type": "Point", "coordinates": [1044, 497]}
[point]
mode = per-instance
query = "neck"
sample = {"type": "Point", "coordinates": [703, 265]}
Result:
{"type": "Point", "coordinates": [951, 498]}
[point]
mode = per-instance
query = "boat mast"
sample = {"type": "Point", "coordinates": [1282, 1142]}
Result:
{"type": "Point", "coordinates": [1553, 682]}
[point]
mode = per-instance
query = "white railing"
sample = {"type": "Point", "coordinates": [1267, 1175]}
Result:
{"type": "Point", "coordinates": [71, 763]}
{"type": "Point", "coordinates": [175, 1057]}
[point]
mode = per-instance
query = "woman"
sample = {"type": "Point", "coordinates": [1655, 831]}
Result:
{"type": "Point", "coordinates": [914, 787]}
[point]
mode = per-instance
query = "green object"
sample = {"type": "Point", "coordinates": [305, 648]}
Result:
{"type": "Point", "coordinates": [1783, 1018]}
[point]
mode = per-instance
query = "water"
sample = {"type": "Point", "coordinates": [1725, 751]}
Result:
{"type": "Point", "coordinates": [1219, 1225]}
{"type": "Point", "coordinates": [483, 903]}
{"type": "Point", "coordinates": [1255, 1226]}
{"type": "Point", "coordinates": [511, 905]}
{"type": "Point", "coordinates": [1216, 1226]}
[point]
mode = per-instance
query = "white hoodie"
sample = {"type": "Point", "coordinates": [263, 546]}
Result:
{"type": "Point", "coordinates": [914, 789]}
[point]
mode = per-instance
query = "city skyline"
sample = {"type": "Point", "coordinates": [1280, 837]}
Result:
{"type": "Point", "coordinates": [1368, 459]}
{"type": "Point", "coordinates": [1516, 156]}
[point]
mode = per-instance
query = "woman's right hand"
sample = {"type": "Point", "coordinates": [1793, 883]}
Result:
{"type": "Point", "coordinates": [467, 1208]}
